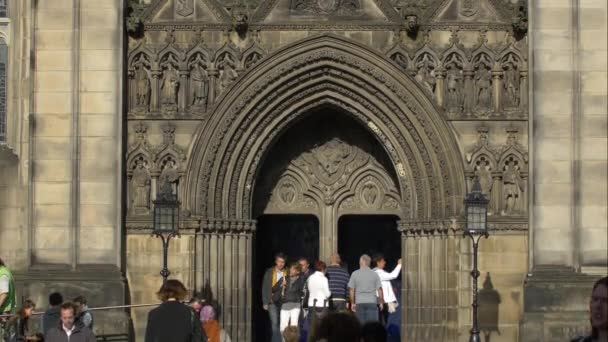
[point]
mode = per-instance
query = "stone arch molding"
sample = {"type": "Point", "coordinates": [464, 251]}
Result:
{"type": "Point", "coordinates": [324, 70]}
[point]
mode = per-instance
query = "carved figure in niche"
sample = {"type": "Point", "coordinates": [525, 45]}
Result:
{"type": "Point", "coordinates": [483, 174]}
{"type": "Point", "coordinates": [513, 187]}
{"type": "Point", "coordinates": [168, 178]}
{"type": "Point", "coordinates": [199, 85]}
{"type": "Point", "coordinates": [369, 193]}
{"type": "Point", "coordinates": [140, 188]}
{"type": "Point", "coordinates": [453, 86]}
{"type": "Point", "coordinates": [425, 77]}
{"type": "Point", "coordinates": [142, 82]}
{"type": "Point", "coordinates": [252, 60]}
{"type": "Point", "coordinates": [483, 89]}
{"type": "Point", "coordinates": [511, 85]}
{"type": "Point", "coordinates": [169, 86]}
{"type": "Point", "coordinates": [400, 60]}
{"type": "Point", "coordinates": [227, 76]}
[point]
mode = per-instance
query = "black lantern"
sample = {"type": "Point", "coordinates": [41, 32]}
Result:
{"type": "Point", "coordinates": [166, 221]}
{"type": "Point", "coordinates": [476, 207]}
{"type": "Point", "coordinates": [476, 227]}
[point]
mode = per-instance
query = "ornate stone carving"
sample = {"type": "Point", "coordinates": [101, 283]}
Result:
{"type": "Point", "coordinates": [199, 86]}
{"type": "Point", "coordinates": [468, 8]}
{"type": "Point", "coordinates": [511, 84]}
{"type": "Point", "coordinates": [140, 188]}
{"type": "Point", "coordinates": [425, 74]}
{"type": "Point", "coordinates": [184, 8]}
{"type": "Point", "coordinates": [169, 176]}
{"type": "Point", "coordinates": [513, 188]}
{"type": "Point", "coordinates": [169, 88]}
{"type": "Point", "coordinates": [483, 86]}
{"type": "Point", "coordinates": [142, 80]}
{"type": "Point", "coordinates": [324, 7]}
{"type": "Point", "coordinates": [227, 73]}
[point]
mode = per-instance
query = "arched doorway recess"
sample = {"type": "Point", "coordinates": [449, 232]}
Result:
{"type": "Point", "coordinates": [324, 70]}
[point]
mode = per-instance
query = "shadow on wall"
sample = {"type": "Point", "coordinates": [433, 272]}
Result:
{"type": "Point", "coordinates": [489, 302]}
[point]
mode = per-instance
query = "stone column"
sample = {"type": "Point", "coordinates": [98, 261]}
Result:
{"type": "Point", "coordinates": [469, 90]}
{"type": "Point", "coordinates": [497, 87]}
{"type": "Point", "coordinates": [213, 73]}
{"type": "Point", "coordinates": [184, 89]}
{"type": "Point", "coordinates": [523, 91]}
{"type": "Point", "coordinates": [131, 91]}
{"type": "Point", "coordinates": [224, 271]}
{"type": "Point", "coordinates": [440, 87]}
{"type": "Point", "coordinates": [154, 100]}
{"type": "Point", "coordinates": [429, 292]}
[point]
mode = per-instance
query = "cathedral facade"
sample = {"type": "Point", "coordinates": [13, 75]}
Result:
{"type": "Point", "coordinates": [325, 122]}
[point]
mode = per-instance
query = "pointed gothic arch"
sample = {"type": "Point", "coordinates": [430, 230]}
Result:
{"type": "Point", "coordinates": [324, 70]}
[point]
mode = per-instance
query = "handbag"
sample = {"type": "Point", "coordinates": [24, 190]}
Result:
{"type": "Point", "coordinates": [277, 292]}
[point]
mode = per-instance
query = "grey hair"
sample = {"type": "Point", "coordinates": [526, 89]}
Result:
{"type": "Point", "coordinates": [365, 259]}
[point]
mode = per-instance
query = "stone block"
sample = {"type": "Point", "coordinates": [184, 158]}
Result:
{"type": "Point", "coordinates": [52, 215]}
{"type": "Point", "coordinates": [594, 216]}
{"type": "Point", "coordinates": [553, 81]}
{"type": "Point", "coordinates": [55, 18]}
{"type": "Point", "coordinates": [99, 59]}
{"type": "Point", "coordinates": [552, 149]}
{"type": "Point", "coordinates": [100, 18]}
{"type": "Point", "coordinates": [594, 82]}
{"type": "Point", "coordinates": [99, 81]}
{"type": "Point", "coordinates": [96, 39]}
{"type": "Point", "coordinates": [98, 125]}
{"type": "Point", "coordinates": [53, 60]}
{"type": "Point", "coordinates": [594, 60]}
{"type": "Point", "coordinates": [592, 18]}
{"type": "Point", "coordinates": [51, 256]}
{"type": "Point", "coordinates": [97, 238]}
{"type": "Point", "coordinates": [52, 148]}
{"type": "Point", "coordinates": [97, 193]}
{"type": "Point", "coordinates": [552, 171]}
{"type": "Point", "coordinates": [588, 40]}
{"type": "Point", "coordinates": [52, 125]}
{"type": "Point", "coordinates": [552, 194]}
{"type": "Point", "coordinates": [594, 125]}
{"type": "Point", "coordinates": [553, 59]}
{"type": "Point", "coordinates": [552, 18]}
{"type": "Point", "coordinates": [102, 149]}
{"type": "Point", "coordinates": [52, 238]}
{"type": "Point", "coordinates": [53, 103]}
{"type": "Point", "coordinates": [92, 170]}
{"type": "Point", "coordinates": [98, 102]}
{"type": "Point", "coordinates": [97, 215]}
{"type": "Point", "coordinates": [53, 81]}
{"type": "Point", "coordinates": [543, 5]}
{"type": "Point", "coordinates": [552, 126]}
{"type": "Point", "coordinates": [552, 103]}
{"type": "Point", "coordinates": [53, 39]}
{"type": "Point", "coordinates": [552, 39]}
{"type": "Point", "coordinates": [553, 217]}
{"type": "Point", "coordinates": [594, 148]}
{"type": "Point", "coordinates": [59, 170]}
{"type": "Point", "coordinates": [58, 4]}
{"type": "Point", "coordinates": [51, 193]}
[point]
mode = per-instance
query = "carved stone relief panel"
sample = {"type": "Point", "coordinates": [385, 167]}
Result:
{"type": "Point", "coordinates": [502, 172]}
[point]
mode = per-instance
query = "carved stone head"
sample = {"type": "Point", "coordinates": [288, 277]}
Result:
{"type": "Point", "coordinates": [240, 20]}
{"type": "Point", "coordinates": [411, 23]}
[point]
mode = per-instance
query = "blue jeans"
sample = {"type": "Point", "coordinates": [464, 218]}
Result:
{"type": "Point", "coordinates": [367, 312]}
{"type": "Point", "coordinates": [274, 312]}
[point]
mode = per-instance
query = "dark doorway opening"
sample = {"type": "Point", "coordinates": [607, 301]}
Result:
{"type": "Point", "coordinates": [294, 235]}
{"type": "Point", "coordinates": [368, 234]}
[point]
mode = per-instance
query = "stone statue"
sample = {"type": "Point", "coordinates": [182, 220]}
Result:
{"type": "Point", "coordinates": [400, 60]}
{"type": "Point", "coordinates": [169, 86]}
{"type": "Point", "coordinates": [168, 177]}
{"type": "Point", "coordinates": [512, 189]}
{"type": "Point", "coordinates": [484, 176]}
{"type": "Point", "coordinates": [227, 76]}
{"type": "Point", "coordinates": [483, 89]}
{"type": "Point", "coordinates": [511, 86]}
{"type": "Point", "coordinates": [425, 77]}
{"type": "Point", "coordinates": [453, 85]}
{"type": "Point", "coordinates": [143, 86]}
{"type": "Point", "coordinates": [140, 189]}
{"type": "Point", "coordinates": [199, 85]}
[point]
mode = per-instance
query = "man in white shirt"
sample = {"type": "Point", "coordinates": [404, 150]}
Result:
{"type": "Point", "coordinates": [387, 288]}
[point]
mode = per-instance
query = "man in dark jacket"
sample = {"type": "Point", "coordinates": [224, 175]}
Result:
{"type": "Point", "coordinates": [67, 331]}
{"type": "Point", "coordinates": [52, 316]}
{"type": "Point", "coordinates": [271, 293]}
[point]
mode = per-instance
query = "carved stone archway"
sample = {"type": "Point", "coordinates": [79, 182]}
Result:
{"type": "Point", "coordinates": [324, 70]}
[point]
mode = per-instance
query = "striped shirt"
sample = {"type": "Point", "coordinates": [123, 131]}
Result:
{"type": "Point", "coordinates": [338, 281]}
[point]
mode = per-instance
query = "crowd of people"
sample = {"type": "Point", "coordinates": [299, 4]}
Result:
{"type": "Point", "coordinates": [324, 305]}
{"type": "Point", "coordinates": [297, 297]}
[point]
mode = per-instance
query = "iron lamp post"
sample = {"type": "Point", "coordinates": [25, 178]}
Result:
{"type": "Point", "coordinates": [476, 227]}
{"type": "Point", "coordinates": [166, 222]}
